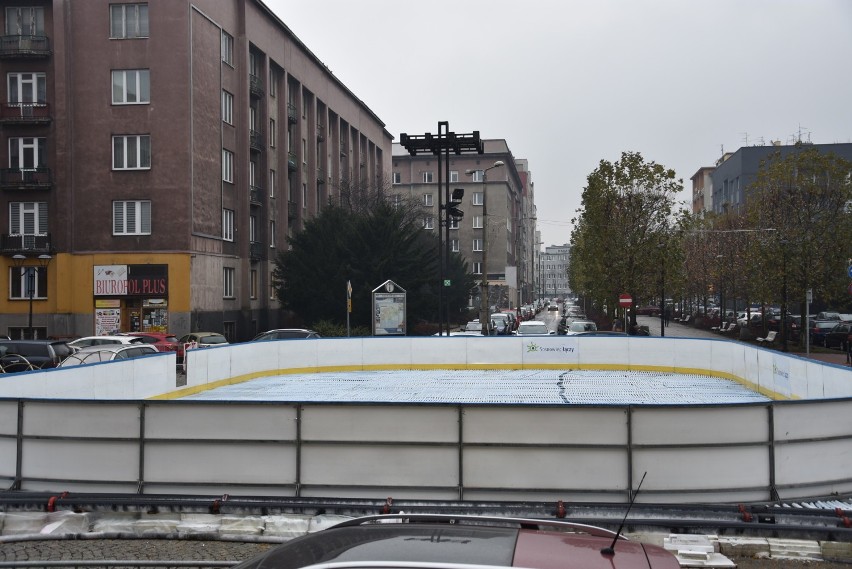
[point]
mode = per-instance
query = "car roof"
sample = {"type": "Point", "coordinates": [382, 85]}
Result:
{"type": "Point", "coordinates": [118, 339]}
{"type": "Point", "coordinates": [116, 347]}
{"type": "Point", "coordinates": [473, 540]}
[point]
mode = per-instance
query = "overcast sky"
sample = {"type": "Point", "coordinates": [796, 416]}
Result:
{"type": "Point", "coordinates": [568, 83]}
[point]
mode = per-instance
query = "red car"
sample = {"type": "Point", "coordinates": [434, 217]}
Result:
{"type": "Point", "coordinates": [162, 341]}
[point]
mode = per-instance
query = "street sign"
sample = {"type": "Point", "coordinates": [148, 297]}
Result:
{"type": "Point", "coordinates": [448, 282]}
{"type": "Point", "coordinates": [849, 271]}
{"type": "Point", "coordinates": [625, 300]}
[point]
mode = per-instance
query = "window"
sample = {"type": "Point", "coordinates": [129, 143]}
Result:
{"type": "Point", "coordinates": [272, 133]}
{"type": "Point", "coordinates": [27, 88]}
{"type": "Point", "coordinates": [428, 222]}
{"type": "Point", "coordinates": [227, 48]}
{"type": "Point", "coordinates": [227, 166]}
{"type": "Point", "coordinates": [477, 244]}
{"type": "Point", "coordinates": [28, 219]}
{"type": "Point", "coordinates": [304, 195]}
{"type": "Point", "coordinates": [454, 175]}
{"type": "Point", "coordinates": [477, 268]}
{"type": "Point", "coordinates": [27, 153]}
{"type": "Point", "coordinates": [477, 198]}
{"type": "Point", "coordinates": [252, 229]}
{"type": "Point", "coordinates": [427, 177]}
{"type": "Point", "coordinates": [253, 283]}
{"type": "Point", "coordinates": [228, 224]}
{"type": "Point", "coordinates": [396, 201]}
{"type": "Point", "coordinates": [227, 107]}
{"type": "Point", "coordinates": [131, 152]}
{"type": "Point", "coordinates": [131, 217]}
{"type": "Point", "coordinates": [273, 83]}
{"type": "Point", "coordinates": [131, 87]}
{"type": "Point", "coordinates": [128, 21]}
{"type": "Point", "coordinates": [304, 152]}
{"type": "Point", "coordinates": [21, 279]}
{"type": "Point", "coordinates": [427, 200]}
{"type": "Point", "coordinates": [228, 282]}
{"type": "Point", "coordinates": [477, 222]}
{"type": "Point", "coordinates": [272, 234]}
{"type": "Point", "coordinates": [478, 175]}
{"type": "Point", "coordinates": [454, 245]}
{"type": "Point", "coordinates": [397, 178]}
{"type": "Point", "coordinates": [272, 183]}
{"type": "Point", "coordinates": [25, 21]}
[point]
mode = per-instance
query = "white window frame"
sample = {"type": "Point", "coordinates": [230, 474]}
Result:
{"type": "Point", "coordinates": [19, 274]}
{"type": "Point", "coordinates": [31, 152]}
{"type": "Point", "coordinates": [227, 166]}
{"type": "Point", "coordinates": [454, 176]}
{"type": "Point", "coordinates": [227, 224]}
{"type": "Point", "coordinates": [272, 234]}
{"type": "Point", "coordinates": [271, 183]}
{"type": "Point", "coordinates": [253, 284]}
{"type": "Point", "coordinates": [131, 217]}
{"type": "Point", "coordinates": [454, 245]}
{"type": "Point", "coordinates": [428, 222]}
{"type": "Point", "coordinates": [228, 279]}
{"type": "Point", "coordinates": [227, 107]}
{"type": "Point", "coordinates": [122, 27]}
{"type": "Point", "coordinates": [29, 220]}
{"type": "Point", "coordinates": [227, 48]}
{"type": "Point", "coordinates": [427, 177]}
{"type": "Point", "coordinates": [477, 267]}
{"type": "Point", "coordinates": [135, 148]}
{"type": "Point", "coordinates": [272, 133]}
{"type": "Point", "coordinates": [477, 245]}
{"type": "Point", "coordinates": [477, 222]}
{"type": "Point", "coordinates": [25, 21]}
{"type": "Point", "coordinates": [477, 198]}
{"type": "Point", "coordinates": [454, 223]}
{"type": "Point", "coordinates": [397, 178]}
{"type": "Point", "coordinates": [138, 78]}
{"type": "Point", "coordinates": [427, 200]}
{"type": "Point", "coordinates": [26, 87]}
{"type": "Point", "coordinates": [478, 175]}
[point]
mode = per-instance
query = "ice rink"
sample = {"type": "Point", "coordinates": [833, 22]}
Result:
{"type": "Point", "coordinates": [520, 387]}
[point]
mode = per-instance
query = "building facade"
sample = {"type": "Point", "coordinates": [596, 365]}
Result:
{"type": "Point", "coordinates": [156, 158]}
{"type": "Point", "coordinates": [497, 233]}
{"type": "Point", "coordinates": [554, 271]}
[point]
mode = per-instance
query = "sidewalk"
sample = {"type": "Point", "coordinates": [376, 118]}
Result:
{"type": "Point", "coordinates": [678, 330]}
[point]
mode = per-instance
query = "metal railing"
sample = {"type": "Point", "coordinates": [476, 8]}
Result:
{"type": "Point", "coordinates": [25, 113]}
{"type": "Point", "coordinates": [26, 178]}
{"type": "Point", "coordinates": [24, 46]}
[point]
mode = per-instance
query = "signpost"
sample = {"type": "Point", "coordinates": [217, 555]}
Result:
{"type": "Point", "coordinates": [625, 300]}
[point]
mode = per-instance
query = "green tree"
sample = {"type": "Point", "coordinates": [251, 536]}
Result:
{"type": "Point", "coordinates": [365, 238]}
{"type": "Point", "coordinates": [622, 238]}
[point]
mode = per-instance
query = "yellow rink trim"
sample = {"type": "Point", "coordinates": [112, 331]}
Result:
{"type": "Point", "coordinates": [185, 392]}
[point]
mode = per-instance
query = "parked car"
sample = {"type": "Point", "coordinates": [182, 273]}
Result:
{"type": "Point", "coordinates": [473, 326]}
{"type": "Point", "coordinates": [286, 334]}
{"type": "Point", "coordinates": [836, 337]}
{"type": "Point", "coordinates": [578, 326]}
{"type": "Point", "coordinates": [200, 339]}
{"type": "Point", "coordinates": [162, 341]}
{"type": "Point", "coordinates": [108, 353]}
{"type": "Point", "coordinates": [25, 355]}
{"type": "Point", "coordinates": [501, 324]}
{"type": "Point", "coordinates": [818, 330]}
{"type": "Point", "coordinates": [533, 328]}
{"type": "Point", "coordinates": [434, 540]}
{"type": "Point", "coordinates": [648, 310]}
{"type": "Point", "coordinates": [87, 341]}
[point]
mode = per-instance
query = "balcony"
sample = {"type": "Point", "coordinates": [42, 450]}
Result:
{"type": "Point", "coordinates": [255, 85]}
{"type": "Point", "coordinates": [256, 141]}
{"type": "Point", "coordinates": [320, 132]}
{"type": "Point", "coordinates": [25, 113]}
{"type": "Point", "coordinates": [292, 210]}
{"type": "Point", "coordinates": [291, 112]}
{"type": "Point", "coordinates": [25, 179]}
{"type": "Point", "coordinates": [320, 176]}
{"type": "Point", "coordinates": [292, 161]}
{"type": "Point", "coordinates": [17, 244]}
{"type": "Point", "coordinates": [255, 251]}
{"type": "Point", "coordinates": [24, 46]}
{"type": "Point", "coordinates": [255, 196]}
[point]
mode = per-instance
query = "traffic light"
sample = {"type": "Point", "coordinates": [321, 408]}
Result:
{"type": "Point", "coordinates": [453, 204]}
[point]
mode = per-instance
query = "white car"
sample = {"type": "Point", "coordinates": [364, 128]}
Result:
{"type": "Point", "coordinates": [87, 341]}
{"type": "Point", "coordinates": [578, 326]}
{"type": "Point", "coordinates": [108, 353]}
{"type": "Point", "coordinates": [533, 328]}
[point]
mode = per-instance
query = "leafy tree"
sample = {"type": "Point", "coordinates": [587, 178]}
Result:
{"type": "Point", "coordinates": [366, 238]}
{"type": "Point", "coordinates": [623, 236]}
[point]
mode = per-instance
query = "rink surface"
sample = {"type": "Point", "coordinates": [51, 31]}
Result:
{"type": "Point", "coordinates": [519, 387]}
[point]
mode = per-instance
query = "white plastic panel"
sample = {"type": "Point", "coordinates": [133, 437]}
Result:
{"type": "Point", "coordinates": [380, 424]}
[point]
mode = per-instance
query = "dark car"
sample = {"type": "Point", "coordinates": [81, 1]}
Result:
{"type": "Point", "coordinates": [25, 355]}
{"type": "Point", "coordinates": [423, 540]}
{"type": "Point", "coordinates": [818, 330]}
{"type": "Point", "coordinates": [648, 310]}
{"type": "Point", "coordinates": [836, 337]}
{"type": "Point", "coordinates": [199, 340]}
{"type": "Point", "coordinates": [286, 334]}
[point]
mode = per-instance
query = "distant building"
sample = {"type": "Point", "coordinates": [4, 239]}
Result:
{"type": "Point", "coordinates": [504, 237]}
{"type": "Point", "coordinates": [160, 153]}
{"type": "Point", "coordinates": [554, 270]}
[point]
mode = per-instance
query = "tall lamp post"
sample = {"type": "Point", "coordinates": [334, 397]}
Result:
{"type": "Point", "coordinates": [663, 306]}
{"type": "Point", "coordinates": [484, 312]}
{"type": "Point", "coordinates": [30, 274]}
{"type": "Point", "coordinates": [784, 295]}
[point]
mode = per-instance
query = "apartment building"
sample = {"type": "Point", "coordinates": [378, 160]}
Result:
{"type": "Point", "coordinates": [156, 155]}
{"type": "Point", "coordinates": [554, 270]}
{"type": "Point", "coordinates": [497, 233]}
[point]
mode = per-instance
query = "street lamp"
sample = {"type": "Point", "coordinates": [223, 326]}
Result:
{"type": "Point", "coordinates": [31, 273]}
{"type": "Point", "coordinates": [662, 247]}
{"type": "Point", "coordinates": [484, 312]}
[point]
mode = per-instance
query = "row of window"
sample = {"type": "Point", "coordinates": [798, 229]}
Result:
{"type": "Point", "coordinates": [228, 216]}
{"type": "Point", "coordinates": [476, 199]}
{"type": "Point", "coordinates": [428, 177]}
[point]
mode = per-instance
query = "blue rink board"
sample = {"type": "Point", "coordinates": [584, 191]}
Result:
{"type": "Point", "coordinates": [521, 387]}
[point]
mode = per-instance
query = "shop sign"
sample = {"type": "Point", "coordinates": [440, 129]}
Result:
{"type": "Point", "coordinates": [131, 280]}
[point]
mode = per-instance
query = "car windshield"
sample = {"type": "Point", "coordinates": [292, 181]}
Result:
{"type": "Point", "coordinates": [583, 327]}
{"type": "Point", "coordinates": [215, 339]}
{"type": "Point", "coordinates": [533, 329]}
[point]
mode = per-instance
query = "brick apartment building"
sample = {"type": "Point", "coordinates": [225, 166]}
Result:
{"type": "Point", "coordinates": [155, 155]}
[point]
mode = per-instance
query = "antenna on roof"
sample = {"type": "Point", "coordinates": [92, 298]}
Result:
{"type": "Point", "coordinates": [611, 549]}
